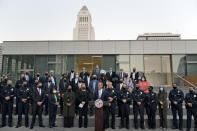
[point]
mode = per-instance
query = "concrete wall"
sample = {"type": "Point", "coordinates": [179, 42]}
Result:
{"type": "Point", "coordinates": [101, 47]}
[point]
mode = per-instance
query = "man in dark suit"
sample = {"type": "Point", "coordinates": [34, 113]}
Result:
{"type": "Point", "coordinates": [109, 74]}
{"type": "Point", "coordinates": [44, 78]}
{"type": "Point", "coordinates": [47, 88]}
{"type": "Point", "coordinates": [71, 75]}
{"type": "Point", "coordinates": [37, 77]}
{"type": "Point", "coordinates": [63, 84]}
{"type": "Point", "coordinates": [38, 97]}
{"type": "Point", "coordinates": [96, 72]}
{"type": "Point", "coordinates": [75, 82]}
{"type": "Point", "coordinates": [134, 76]}
{"type": "Point", "coordinates": [53, 78]}
{"type": "Point", "coordinates": [121, 73]}
{"type": "Point", "coordinates": [93, 87]}
{"type": "Point", "coordinates": [83, 73]}
{"type": "Point", "coordinates": [28, 78]}
{"type": "Point", "coordinates": [87, 80]}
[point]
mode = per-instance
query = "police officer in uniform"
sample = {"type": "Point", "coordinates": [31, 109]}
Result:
{"type": "Point", "coordinates": [151, 107]}
{"type": "Point", "coordinates": [2, 84]}
{"type": "Point", "coordinates": [109, 96]}
{"type": "Point", "coordinates": [138, 106]}
{"type": "Point", "coordinates": [125, 98]}
{"type": "Point", "coordinates": [176, 98]}
{"type": "Point", "coordinates": [7, 95]}
{"type": "Point", "coordinates": [191, 106]}
{"type": "Point", "coordinates": [24, 97]}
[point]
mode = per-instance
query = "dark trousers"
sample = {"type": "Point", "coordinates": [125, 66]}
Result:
{"type": "Point", "coordinates": [68, 121]}
{"type": "Point", "coordinates": [138, 109]}
{"type": "Point", "coordinates": [52, 114]}
{"type": "Point", "coordinates": [125, 111]}
{"type": "Point", "coordinates": [151, 111]}
{"type": "Point", "coordinates": [83, 118]}
{"type": "Point", "coordinates": [16, 110]}
{"type": "Point", "coordinates": [174, 109]}
{"type": "Point", "coordinates": [46, 104]}
{"type": "Point", "coordinates": [23, 107]}
{"type": "Point", "coordinates": [107, 111]}
{"type": "Point", "coordinates": [61, 105]}
{"type": "Point", "coordinates": [163, 117]}
{"type": "Point", "coordinates": [7, 107]}
{"type": "Point", "coordinates": [190, 112]}
{"type": "Point", "coordinates": [37, 110]}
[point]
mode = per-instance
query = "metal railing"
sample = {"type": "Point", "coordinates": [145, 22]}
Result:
{"type": "Point", "coordinates": [183, 79]}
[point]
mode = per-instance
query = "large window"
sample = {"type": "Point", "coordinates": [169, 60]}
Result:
{"type": "Point", "coordinates": [158, 69]}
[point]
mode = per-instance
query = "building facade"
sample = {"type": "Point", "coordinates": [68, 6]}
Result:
{"type": "Point", "coordinates": [159, 36]}
{"type": "Point", "coordinates": [83, 29]}
{"type": "Point", "coordinates": [158, 60]}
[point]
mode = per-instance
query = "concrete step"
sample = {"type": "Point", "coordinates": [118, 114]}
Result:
{"type": "Point", "coordinates": [91, 121]}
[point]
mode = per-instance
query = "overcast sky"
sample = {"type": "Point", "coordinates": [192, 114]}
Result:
{"type": "Point", "coordinates": [112, 19]}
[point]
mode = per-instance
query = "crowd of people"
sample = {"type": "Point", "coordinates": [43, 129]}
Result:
{"type": "Point", "coordinates": [76, 92]}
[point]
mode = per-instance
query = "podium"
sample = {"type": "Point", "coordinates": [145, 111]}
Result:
{"type": "Point", "coordinates": [99, 114]}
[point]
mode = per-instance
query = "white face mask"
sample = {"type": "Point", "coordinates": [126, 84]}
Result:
{"type": "Point", "coordinates": [161, 89]}
{"type": "Point", "coordinates": [143, 79]}
{"type": "Point", "coordinates": [54, 91]}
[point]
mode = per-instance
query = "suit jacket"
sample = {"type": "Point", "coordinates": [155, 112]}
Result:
{"type": "Point", "coordinates": [68, 76]}
{"type": "Point", "coordinates": [96, 95]}
{"type": "Point", "coordinates": [48, 88]}
{"type": "Point", "coordinates": [97, 74]}
{"type": "Point", "coordinates": [55, 84]}
{"type": "Point", "coordinates": [136, 76]}
{"type": "Point", "coordinates": [91, 86]}
{"type": "Point", "coordinates": [63, 85]}
{"type": "Point", "coordinates": [86, 81]}
{"type": "Point", "coordinates": [82, 75]}
{"type": "Point", "coordinates": [121, 75]}
{"type": "Point", "coordinates": [36, 97]}
{"type": "Point", "coordinates": [109, 76]}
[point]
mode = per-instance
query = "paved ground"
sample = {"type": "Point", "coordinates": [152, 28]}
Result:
{"type": "Point", "coordinates": [70, 129]}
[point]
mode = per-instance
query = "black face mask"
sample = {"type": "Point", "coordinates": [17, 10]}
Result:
{"type": "Point", "coordinates": [25, 85]}
{"type": "Point", "coordinates": [190, 91]}
{"type": "Point", "coordinates": [137, 88]}
{"type": "Point", "coordinates": [9, 85]}
{"type": "Point", "coordinates": [39, 86]}
{"type": "Point", "coordinates": [72, 71]}
{"type": "Point", "coordinates": [64, 80]}
{"type": "Point", "coordinates": [94, 78]}
{"type": "Point", "coordinates": [27, 73]}
{"type": "Point", "coordinates": [37, 75]}
{"type": "Point", "coordinates": [149, 90]}
{"type": "Point", "coordinates": [134, 70]}
{"type": "Point", "coordinates": [46, 74]}
{"type": "Point", "coordinates": [174, 87]}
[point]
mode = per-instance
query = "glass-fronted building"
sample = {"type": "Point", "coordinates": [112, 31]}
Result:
{"type": "Point", "coordinates": [158, 60]}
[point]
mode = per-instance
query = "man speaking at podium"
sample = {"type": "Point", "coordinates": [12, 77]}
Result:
{"type": "Point", "coordinates": [98, 97]}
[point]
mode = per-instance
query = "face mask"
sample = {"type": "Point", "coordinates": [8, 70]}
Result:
{"type": "Point", "coordinates": [39, 86]}
{"type": "Point", "coordinates": [46, 74]}
{"type": "Point", "coordinates": [150, 90]}
{"type": "Point", "coordinates": [174, 87]}
{"type": "Point", "coordinates": [64, 80]}
{"type": "Point", "coordinates": [83, 88]}
{"type": "Point", "coordinates": [94, 78]}
{"type": "Point", "coordinates": [54, 91]}
{"type": "Point", "coordinates": [77, 76]}
{"type": "Point", "coordinates": [9, 85]}
{"type": "Point", "coordinates": [110, 70]}
{"type": "Point", "coordinates": [190, 91]}
{"type": "Point", "coordinates": [27, 73]}
{"type": "Point", "coordinates": [143, 79]}
{"type": "Point", "coordinates": [25, 85]}
{"type": "Point", "coordinates": [134, 70]}
{"type": "Point", "coordinates": [84, 70]}
{"type": "Point", "coordinates": [137, 87]}
{"type": "Point", "coordinates": [72, 71]}
{"type": "Point", "coordinates": [161, 89]}
{"type": "Point", "coordinates": [37, 75]}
